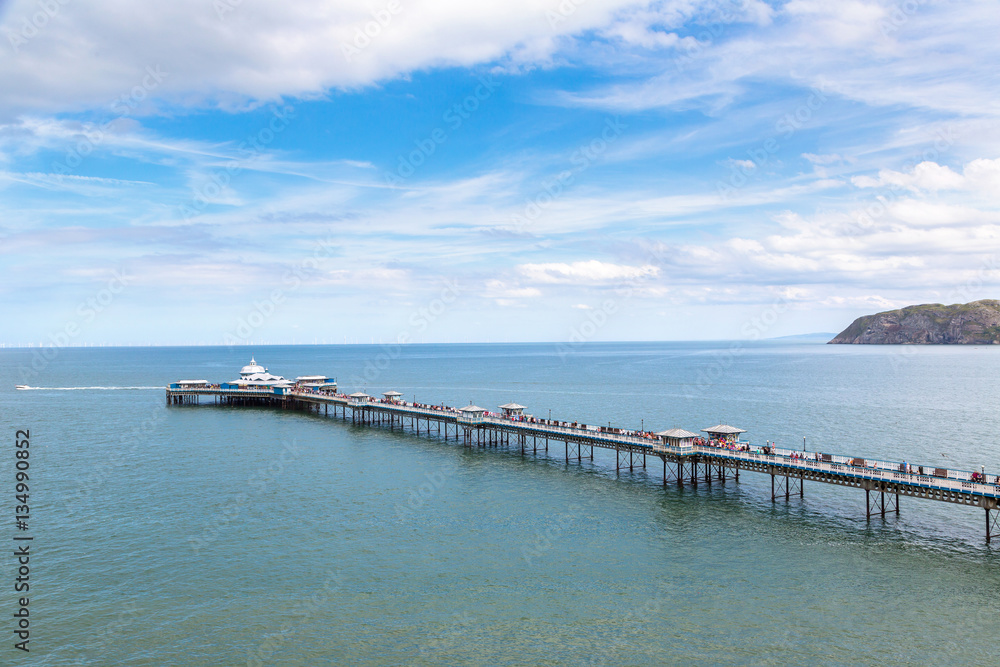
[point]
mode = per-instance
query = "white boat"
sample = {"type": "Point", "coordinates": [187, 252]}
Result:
{"type": "Point", "coordinates": [22, 386]}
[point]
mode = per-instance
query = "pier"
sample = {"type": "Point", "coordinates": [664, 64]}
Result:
{"type": "Point", "coordinates": [686, 458]}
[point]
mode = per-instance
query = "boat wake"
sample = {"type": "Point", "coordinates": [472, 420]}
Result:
{"type": "Point", "coordinates": [24, 387]}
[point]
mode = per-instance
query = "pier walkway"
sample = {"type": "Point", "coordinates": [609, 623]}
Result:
{"type": "Point", "coordinates": [684, 460]}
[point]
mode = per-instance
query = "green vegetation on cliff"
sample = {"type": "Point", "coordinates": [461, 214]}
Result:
{"type": "Point", "coordinates": [975, 323]}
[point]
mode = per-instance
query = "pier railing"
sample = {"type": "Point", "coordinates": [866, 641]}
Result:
{"type": "Point", "coordinates": [575, 431]}
{"type": "Point", "coordinates": [397, 406]}
{"type": "Point", "coordinates": [784, 459]}
{"type": "Point", "coordinates": [854, 462]}
{"type": "Point", "coordinates": [873, 469]}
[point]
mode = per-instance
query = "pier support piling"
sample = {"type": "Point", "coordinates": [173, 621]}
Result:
{"type": "Point", "coordinates": [783, 484]}
{"type": "Point", "coordinates": [878, 501]}
{"type": "Point", "coordinates": [992, 522]}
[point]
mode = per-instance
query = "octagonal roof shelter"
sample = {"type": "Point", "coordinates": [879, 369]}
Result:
{"type": "Point", "coordinates": [676, 434]}
{"type": "Point", "coordinates": [724, 432]}
{"type": "Point", "coordinates": [512, 409]}
{"type": "Point", "coordinates": [677, 437]}
{"type": "Point", "coordinates": [471, 414]}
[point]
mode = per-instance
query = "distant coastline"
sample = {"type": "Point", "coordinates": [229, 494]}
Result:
{"type": "Point", "coordinates": [820, 335]}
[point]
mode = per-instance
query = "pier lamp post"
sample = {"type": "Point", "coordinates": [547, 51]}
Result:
{"type": "Point", "coordinates": [803, 443]}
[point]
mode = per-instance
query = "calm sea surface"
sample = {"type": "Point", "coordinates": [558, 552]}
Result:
{"type": "Point", "coordinates": [232, 536]}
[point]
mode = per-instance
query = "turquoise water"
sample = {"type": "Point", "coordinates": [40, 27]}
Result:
{"type": "Point", "coordinates": [232, 536]}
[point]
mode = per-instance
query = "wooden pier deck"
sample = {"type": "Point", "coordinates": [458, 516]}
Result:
{"type": "Point", "coordinates": [882, 481]}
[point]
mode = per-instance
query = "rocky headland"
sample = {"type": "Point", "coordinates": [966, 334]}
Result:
{"type": "Point", "coordinates": [976, 323]}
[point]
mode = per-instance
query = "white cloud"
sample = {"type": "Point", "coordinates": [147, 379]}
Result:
{"type": "Point", "coordinates": [507, 294]}
{"type": "Point", "coordinates": [982, 175]}
{"type": "Point", "coordinates": [584, 272]}
{"type": "Point", "coordinates": [89, 55]}
{"type": "Point", "coordinates": [878, 52]}
{"type": "Point", "coordinates": [824, 159]}
{"type": "Point", "coordinates": [748, 166]}
{"type": "Point", "coordinates": [863, 302]}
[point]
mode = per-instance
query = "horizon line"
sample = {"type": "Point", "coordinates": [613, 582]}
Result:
{"type": "Point", "coordinates": [33, 346]}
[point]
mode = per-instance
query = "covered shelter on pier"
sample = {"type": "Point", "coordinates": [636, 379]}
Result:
{"type": "Point", "coordinates": [189, 384]}
{"type": "Point", "coordinates": [471, 414]}
{"type": "Point", "coordinates": [677, 437]}
{"type": "Point", "coordinates": [392, 396]}
{"type": "Point", "coordinates": [724, 432]}
{"type": "Point", "coordinates": [317, 382]}
{"type": "Point", "coordinates": [358, 397]}
{"type": "Point", "coordinates": [512, 409]}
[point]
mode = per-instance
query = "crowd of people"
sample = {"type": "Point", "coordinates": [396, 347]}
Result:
{"type": "Point", "coordinates": [721, 443]}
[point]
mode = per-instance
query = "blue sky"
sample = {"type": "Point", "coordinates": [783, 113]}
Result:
{"type": "Point", "coordinates": [232, 171]}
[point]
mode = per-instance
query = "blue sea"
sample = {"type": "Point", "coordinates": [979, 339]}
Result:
{"type": "Point", "coordinates": [208, 535]}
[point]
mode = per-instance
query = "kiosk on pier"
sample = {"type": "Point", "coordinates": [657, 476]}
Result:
{"type": "Point", "coordinates": [512, 409]}
{"type": "Point", "coordinates": [724, 433]}
{"type": "Point", "coordinates": [470, 415]}
{"type": "Point", "coordinates": [677, 437]}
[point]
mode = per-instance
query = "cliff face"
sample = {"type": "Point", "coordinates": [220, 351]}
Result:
{"type": "Point", "coordinates": [976, 323]}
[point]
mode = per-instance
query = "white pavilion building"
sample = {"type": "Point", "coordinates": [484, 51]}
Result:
{"type": "Point", "coordinates": [255, 375]}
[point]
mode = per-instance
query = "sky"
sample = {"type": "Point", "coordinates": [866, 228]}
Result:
{"type": "Point", "coordinates": [245, 171]}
